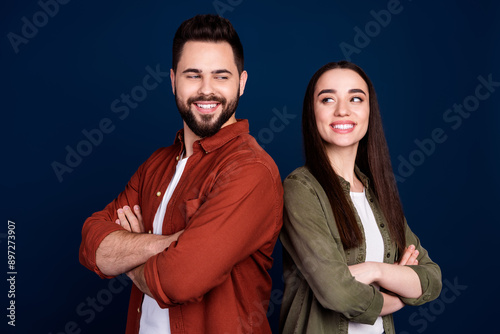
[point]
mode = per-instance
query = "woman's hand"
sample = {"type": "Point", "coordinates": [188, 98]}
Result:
{"type": "Point", "coordinates": [409, 257]}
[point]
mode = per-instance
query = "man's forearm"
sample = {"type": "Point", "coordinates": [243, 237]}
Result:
{"type": "Point", "coordinates": [137, 276]}
{"type": "Point", "coordinates": [122, 251]}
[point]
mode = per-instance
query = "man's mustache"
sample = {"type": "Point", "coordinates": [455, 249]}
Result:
{"type": "Point", "coordinates": [215, 98]}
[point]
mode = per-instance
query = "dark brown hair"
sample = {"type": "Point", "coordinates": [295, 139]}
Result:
{"type": "Point", "coordinates": [207, 28]}
{"type": "Point", "coordinates": [372, 158]}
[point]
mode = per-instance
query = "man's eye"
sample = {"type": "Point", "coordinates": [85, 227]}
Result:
{"type": "Point", "coordinates": [221, 77]}
{"type": "Point", "coordinates": [195, 76]}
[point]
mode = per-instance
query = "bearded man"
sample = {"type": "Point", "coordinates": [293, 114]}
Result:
{"type": "Point", "coordinates": [197, 223]}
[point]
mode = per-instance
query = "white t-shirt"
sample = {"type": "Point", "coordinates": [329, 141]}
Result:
{"type": "Point", "coordinates": [155, 320]}
{"type": "Point", "coordinates": [374, 253]}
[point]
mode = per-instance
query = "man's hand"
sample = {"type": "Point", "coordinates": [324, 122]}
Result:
{"type": "Point", "coordinates": [122, 251]}
{"type": "Point", "coordinates": [130, 220]}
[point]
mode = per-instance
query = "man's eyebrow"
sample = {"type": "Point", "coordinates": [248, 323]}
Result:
{"type": "Point", "coordinates": [196, 70]}
{"type": "Point", "coordinates": [191, 70]}
{"type": "Point", "coordinates": [221, 71]}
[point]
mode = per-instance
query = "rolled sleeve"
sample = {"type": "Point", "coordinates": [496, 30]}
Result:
{"type": "Point", "coordinates": [92, 235]}
{"type": "Point", "coordinates": [428, 272]}
{"type": "Point", "coordinates": [310, 237]}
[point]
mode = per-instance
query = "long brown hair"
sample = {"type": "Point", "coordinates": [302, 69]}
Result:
{"type": "Point", "coordinates": [372, 158]}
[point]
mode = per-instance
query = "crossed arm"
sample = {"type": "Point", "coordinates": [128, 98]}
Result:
{"type": "Point", "coordinates": [397, 278]}
{"type": "Point", "coordinates": [127, 251]}
{"type": "Point", "coordinates": [307, 236]}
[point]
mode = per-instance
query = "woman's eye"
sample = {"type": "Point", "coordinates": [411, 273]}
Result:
{"type": "Point", "coordinates": [357, 99]}
{"type": "Point", "coordinates": [327, 100]}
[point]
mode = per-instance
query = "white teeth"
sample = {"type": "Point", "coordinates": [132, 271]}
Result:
{"type": "Point", "coordinates": [343, 126]}
{"type": "Point", "coordinates": [207, 106]}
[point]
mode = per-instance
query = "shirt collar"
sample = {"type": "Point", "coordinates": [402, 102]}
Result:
{"type": "Point", "coordinates": [223, 136]}
{"type": "Point", "coordinates": [363, 178]}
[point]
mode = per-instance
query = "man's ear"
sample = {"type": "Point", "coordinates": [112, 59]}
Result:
{"type": "Point", "coordinates": [172, 80]}
{"type": "Point", "coordinates": [243, 81]}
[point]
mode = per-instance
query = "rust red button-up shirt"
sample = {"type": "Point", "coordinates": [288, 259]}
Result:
{"type": "Point", "coordinates": [229, 200]}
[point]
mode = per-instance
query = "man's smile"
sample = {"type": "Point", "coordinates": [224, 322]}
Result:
{"type": "Point", "coordinates": [206, 107]}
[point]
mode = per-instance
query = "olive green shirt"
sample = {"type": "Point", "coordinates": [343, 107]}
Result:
{"type": "Point", "coordinates": [321, 295]}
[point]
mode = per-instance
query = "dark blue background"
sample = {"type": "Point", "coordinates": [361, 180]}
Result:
{"type": "Point", "coordinates": [63, 80]}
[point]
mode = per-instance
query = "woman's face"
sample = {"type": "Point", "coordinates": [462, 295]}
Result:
{"type": "Point", "coordinates": [342, 108]}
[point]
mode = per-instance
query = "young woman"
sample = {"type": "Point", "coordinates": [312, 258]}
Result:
{"type": "Point", "coordinates": [350, 259]}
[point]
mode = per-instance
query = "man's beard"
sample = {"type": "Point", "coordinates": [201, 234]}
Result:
{"type": "Point", "coordinates": [209, 125]}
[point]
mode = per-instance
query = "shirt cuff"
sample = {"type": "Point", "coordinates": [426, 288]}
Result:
{"type": "Point", "coordinates": [373, 311]}
{"type": "Point", "coordinates": [424, 283]}
{"type": "Point", "coordinates": [88, 253]}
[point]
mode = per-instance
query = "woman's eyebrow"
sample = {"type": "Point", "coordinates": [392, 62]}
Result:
{"type": "Point", "coordinates": [357, 90]}
{"type": "Point", "coordinates": [326, 91]}
{"type": "Point", "coordinates": [333, 91]}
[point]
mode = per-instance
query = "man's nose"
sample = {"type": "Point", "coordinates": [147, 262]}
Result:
{"type": "Point", "coordinates": [206, 87]}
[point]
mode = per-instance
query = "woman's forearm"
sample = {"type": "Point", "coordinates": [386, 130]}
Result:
{"type": "Point", "coordinates": [399, 279]}
{"type": "Point", "coordinates": [391, 304]}
{"type": "Point", "coordinates": [402, 280]}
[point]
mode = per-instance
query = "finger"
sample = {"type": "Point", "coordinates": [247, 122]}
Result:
{"type": "Point", "coordinates": [138, 213]}
{"type": "Point", "coordinates": [123, 220]}
{"type": "Point", "coordinates": [132, 219]}
{"type": "Point", "coordinates": [406, 255]}
{"type": "Point", "coordinates": [404, 258]}
{"type": "Point", "coordinates": [413, 258]}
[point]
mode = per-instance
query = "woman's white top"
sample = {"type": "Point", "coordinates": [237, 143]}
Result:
{"type": "Point", "coordinates": [374, 253]}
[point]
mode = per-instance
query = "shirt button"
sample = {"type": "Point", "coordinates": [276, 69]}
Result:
{"type": "Point", "coordinates": [382, 225]}
{"type": "Point", "coordinates": [158, 194]}
{"type": "Point", "coordinates": [388, 255]}
{"type": "Point", "coordinates": [138, 310]}
{"type": "Point", "coordinates": [149, 232]}
{"type": "Point", "coordinates": [177, 158]}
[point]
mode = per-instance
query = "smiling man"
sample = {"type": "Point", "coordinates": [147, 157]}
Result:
{"type": "Point", "coordinates": [197, 223]}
